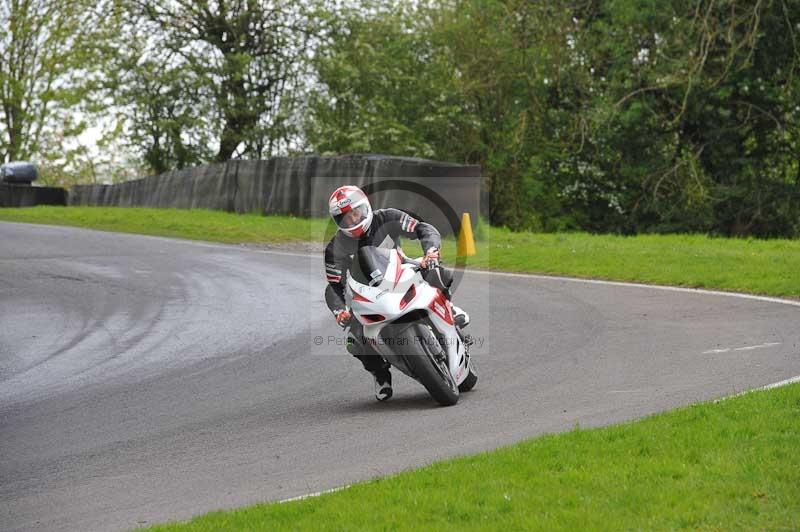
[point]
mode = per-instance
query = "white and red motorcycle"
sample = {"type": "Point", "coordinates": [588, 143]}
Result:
{"type": "Point", "coordinates": [409, 322]}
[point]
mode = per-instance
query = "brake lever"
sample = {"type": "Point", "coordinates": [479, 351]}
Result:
{"type": "Point", "coordinates": [409, 260]}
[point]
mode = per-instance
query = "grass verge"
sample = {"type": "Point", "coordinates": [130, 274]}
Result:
{"type": "Point", "coordinates": [194, 224]}
{"type": "Point", "coordinates": [731, 465]}
{"type": "Point", "coordinates": [743, 265]}
{"type": "Point", "coordinates": [767, 267]}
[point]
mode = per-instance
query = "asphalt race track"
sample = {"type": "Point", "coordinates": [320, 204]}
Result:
{"type": "Point", "coordinates": [145, 379]}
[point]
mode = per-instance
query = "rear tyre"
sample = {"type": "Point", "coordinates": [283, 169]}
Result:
{"type": "Point", "coordinates": [431, 368]}
{"type": "Point", "coordinates": [472, 378]}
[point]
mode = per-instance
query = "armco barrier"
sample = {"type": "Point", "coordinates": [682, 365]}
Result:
{"type": "Point", "coordinates": [28, 196]}
{"type": "Point", "coordinates": [299, 186]}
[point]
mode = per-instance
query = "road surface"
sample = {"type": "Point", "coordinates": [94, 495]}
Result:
{"type": "Point", "coordinates": [146, 379]}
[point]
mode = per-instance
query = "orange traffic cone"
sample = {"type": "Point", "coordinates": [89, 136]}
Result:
{"type": "Point", "coordinates": [466, 242]}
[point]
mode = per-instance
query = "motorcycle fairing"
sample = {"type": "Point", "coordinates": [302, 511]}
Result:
{"type": "Point", "coordinates": [384, 299]}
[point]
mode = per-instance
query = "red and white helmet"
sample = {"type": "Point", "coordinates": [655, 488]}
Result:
{"type": "Point", "coordinates": [350, 209]}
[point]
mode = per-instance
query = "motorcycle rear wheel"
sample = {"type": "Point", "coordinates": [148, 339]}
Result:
{"type": "Point", "coordinates": [472, 379]}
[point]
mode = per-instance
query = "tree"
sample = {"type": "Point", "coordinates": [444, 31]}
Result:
{"type": "Point", "coordinates": [600, 115]}
{"type": "Point", "coordinates": [162, 109]}
{"type": "Point", "coordinates": [695, 105]}
{"type": "Point", "coordinates": [247, 56]}
{"type": "Point", "coordinates": [49, 52]}
{"type": "Point", "coordinates": [384, 87]}
{"type": "Point", "coordinates": [462, 81]}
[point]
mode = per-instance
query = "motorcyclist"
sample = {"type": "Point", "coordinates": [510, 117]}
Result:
{"type": "Point", "coordinates": [359, 226]}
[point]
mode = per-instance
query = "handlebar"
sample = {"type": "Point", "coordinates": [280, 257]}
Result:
{"type": "Point", "coordinates": [433, 263]}
{"type": "Point", "coordinates": [409, 260]}
{"type": "Point", "coordinates": [414, 262]}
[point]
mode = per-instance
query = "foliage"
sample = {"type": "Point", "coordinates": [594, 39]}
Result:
{"type": "Point", "coordinates": [623, 116]}
{"type": "Point", "coordinates": [384, 87]}
{"type": "Point", "coordinates": [615, 115]}
{"type": "Point", "coordinates": [49, 57]}
{"type": "Point", "coordinates": [702, 98]}
{"type": "Point", "coordinates": [163, 111]}
{"type": "Point", "coordinates": [227, 74]}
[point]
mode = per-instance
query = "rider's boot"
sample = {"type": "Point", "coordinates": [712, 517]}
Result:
{"type": "Point", "coordinates": [373, 363]}
{"type": "Point", "coordinates": [383, 384]}
{"type": "Point", "coordinates": [460, 317]}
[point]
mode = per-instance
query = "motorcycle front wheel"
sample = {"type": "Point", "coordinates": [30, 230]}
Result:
{"type": "Point", "coordinates": [430, 368]}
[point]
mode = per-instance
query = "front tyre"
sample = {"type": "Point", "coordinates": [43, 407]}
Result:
{"type": "Point", "coordinates": [430, 368]}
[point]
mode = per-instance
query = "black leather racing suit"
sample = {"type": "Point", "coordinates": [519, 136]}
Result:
{"type": "Point", "coordinates": [386, 229]}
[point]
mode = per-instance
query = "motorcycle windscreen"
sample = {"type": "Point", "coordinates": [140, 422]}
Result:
{"type": "Point", "coordinates": [370, 265]}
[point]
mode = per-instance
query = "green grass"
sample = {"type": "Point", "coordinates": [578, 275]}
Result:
{"type": "Point", "coordinates": [769, 267]}
{"type": "Point", "coordinates": [744, 265]}
{"type": "Point", "coordinates": [732, 465]}
{"type": "Point", "coordinates": [195, 224]}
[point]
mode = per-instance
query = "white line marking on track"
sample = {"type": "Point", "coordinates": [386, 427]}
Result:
{"type": "Point", "coordinates": [778, 384]}
{"type": "Point", "coordinates": [641, 285]}
{"type": "Point", "coordinates": [746, 348]}
{"type": "Point", "coordinates": [760, 346]}
{"type": "Point", "coordinates": [311, 495]}
{"type": "Point", "coordinates": [781, 383]}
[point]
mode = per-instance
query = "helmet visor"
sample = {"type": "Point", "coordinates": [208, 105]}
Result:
{"type": "Point", "coordinates": [352, 217]}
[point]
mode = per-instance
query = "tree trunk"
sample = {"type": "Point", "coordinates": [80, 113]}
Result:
{"type": "Point", "coordinates": [238, 118]}
{"type": "Point", "coordinates": [228, 141]}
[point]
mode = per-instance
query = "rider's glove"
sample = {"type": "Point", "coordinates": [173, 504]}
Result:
{"type": "Point", "coordinates": [343, 317]}
{"type": "Point", "coordinates": [431, 259]}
